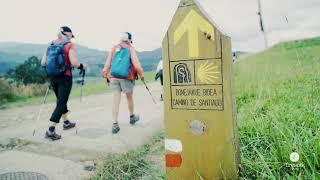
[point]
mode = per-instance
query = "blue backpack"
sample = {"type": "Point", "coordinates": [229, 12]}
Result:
{"type": "Point", "coordinates": [121, 63]}
{"type": "Point", "coordinates": [55, 60]}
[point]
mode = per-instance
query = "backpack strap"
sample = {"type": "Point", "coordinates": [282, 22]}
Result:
{"type": "Point", "coordinates": [119, 46]}
{"type": "Point", "coordinates": [122, 47]}
{"type": "Point", "coordinates": [62, 44]}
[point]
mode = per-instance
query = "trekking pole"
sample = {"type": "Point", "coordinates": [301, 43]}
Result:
{"type": "Point", "coordinates": [149, 92]}
{"type": "Point", "coordinates": [108, 82]}
{"type": "Point", "coordinates": [83, 72]}
{"type": "Point", "coordinates": [40, 111]}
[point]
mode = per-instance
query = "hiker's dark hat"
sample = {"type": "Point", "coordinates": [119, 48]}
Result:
{"type": "Point", "coordinates": [66, 29]}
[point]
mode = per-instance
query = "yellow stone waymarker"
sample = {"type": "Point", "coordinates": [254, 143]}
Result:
{"type": "Point", "coordinates": [201, 133]}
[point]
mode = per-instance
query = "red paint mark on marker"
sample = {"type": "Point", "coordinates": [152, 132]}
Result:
{"type": "Point", "coordinates": [173, 160]}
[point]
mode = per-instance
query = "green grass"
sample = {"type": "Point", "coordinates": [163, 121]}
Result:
{"type": "Point", "coordinates": [92, 86]}
{"type": "Point", "coordinates": [135, 164]}
{"type": "Point", "coordinates": [278, 112]}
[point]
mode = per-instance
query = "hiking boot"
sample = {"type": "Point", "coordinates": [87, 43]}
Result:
{"type": "Point", "coordinates": [115, 128]}
{"type": "Point", "coordinates": [53, 136]}
{"type": "Point", "coordinates": [70, 125]}
{"type": "Point", "coordinates": [134, 119]}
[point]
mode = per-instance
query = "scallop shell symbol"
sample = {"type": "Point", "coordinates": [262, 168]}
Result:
{"type": "Point", "coordinates": [208, 73]}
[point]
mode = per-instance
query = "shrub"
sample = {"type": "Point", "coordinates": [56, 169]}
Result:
{"type": "Point", "coordinates": [6, 92]}
{"type": "Point", "coordinates": [30, 72]}
{"type": "Point", "coordinates": [31, 90]}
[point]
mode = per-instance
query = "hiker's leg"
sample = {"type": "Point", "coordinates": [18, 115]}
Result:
{"type": "Point", "coordinates": [116, 104]}
{"type": "Point", "coordinates": [65, 117]}
{"type": "Point", "coordinates": [63, 92]}
{"type": "Point", "coordinates": [67, 91]}
{"type": "Point", "coordinates": [133, 117]}
{"type": "Point", "coordinates": [50, 133]}
{"type": "Point", "coordinates": [161, 82]}
{"type": "Point", "coordinates": [115, 110]}
{"type": "Point", "coordinates": [55, 87]}
{"type": "Point", "coordinates": [130, 102]}
{"type": "Point", "coordinates": [127, 87]}
{"type": "Point", "coordinates": [116, 89]}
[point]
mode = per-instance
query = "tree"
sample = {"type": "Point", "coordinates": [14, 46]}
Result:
{"type": "Point", "coordinates": [30, 72]}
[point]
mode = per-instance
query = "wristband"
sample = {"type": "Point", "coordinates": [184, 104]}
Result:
{"type": "Point", "coordinates": [81, 66]}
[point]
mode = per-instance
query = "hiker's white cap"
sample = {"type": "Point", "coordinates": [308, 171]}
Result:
{"type": "Point", "coordinates": [126, 37]}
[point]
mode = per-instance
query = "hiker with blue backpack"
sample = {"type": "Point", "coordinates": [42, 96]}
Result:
{"type": "Point", "coordinates": [58, 60]}
{"type": "Point", "coordinates": [121, 68]}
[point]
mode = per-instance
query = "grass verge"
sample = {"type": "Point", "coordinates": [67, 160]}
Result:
{"type": "Point", "coordinates": [140, 163]}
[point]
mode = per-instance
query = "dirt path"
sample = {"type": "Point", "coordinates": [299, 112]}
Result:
{"type": "Point", "coordinates": [20, 151]}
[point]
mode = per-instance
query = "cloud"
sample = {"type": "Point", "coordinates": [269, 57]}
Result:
{"type": "Point", "coordinates": [240, 20]}
{"type": "Point", "coordinates": [98, 23]}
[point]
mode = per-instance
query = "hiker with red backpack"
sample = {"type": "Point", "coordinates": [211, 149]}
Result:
{"type": "Point", "coordinates": [122, 67]}
{"type": "Point", "coordinates": [58, 60]}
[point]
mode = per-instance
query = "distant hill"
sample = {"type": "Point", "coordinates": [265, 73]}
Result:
{"type": "Point", "coordinates": [300, 43]}
{"type": "Point", "coordinates": [150, 59]}
{"type": "Point", "coordinates": [13, 53]}
{"type": "Point", "coordinates": [8, 61]}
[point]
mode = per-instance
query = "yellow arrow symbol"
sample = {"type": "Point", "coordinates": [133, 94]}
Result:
{"type": "Point", "coordinates": [192, 23]}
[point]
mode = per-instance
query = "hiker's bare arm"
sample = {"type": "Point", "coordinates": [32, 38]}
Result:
{"type": "Point", "coordinates": [106, 68]}
{"type": "Point", "coordinates": [44, 57]}
{"type": "Point", "coordinates": [74, 60]}
{"type": "Point", "coordinates": [136, 63]}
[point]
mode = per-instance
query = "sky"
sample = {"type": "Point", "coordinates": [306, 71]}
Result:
{"type": "Point", "coordinates": [99, 23]}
